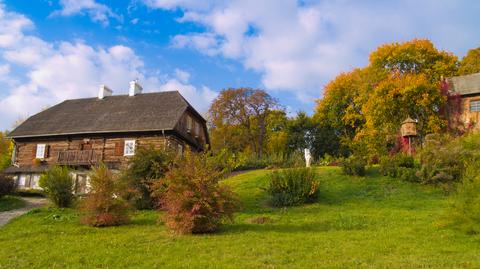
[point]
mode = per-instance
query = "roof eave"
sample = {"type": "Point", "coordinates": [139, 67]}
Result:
{"type": "Point", "coordinates": [89, 133]}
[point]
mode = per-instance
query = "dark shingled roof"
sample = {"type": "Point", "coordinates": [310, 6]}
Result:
{"type": "Point", "coordinates": [119, 113]}
{"type": "Point", "coordinates": [465, 85]}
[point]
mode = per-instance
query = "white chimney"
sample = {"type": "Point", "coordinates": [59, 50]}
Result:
{"type": "Point", "coordinates": [104, 92]}
{"type": "Point", "coordinates": [135, 88]}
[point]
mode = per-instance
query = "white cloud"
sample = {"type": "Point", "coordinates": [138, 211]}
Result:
{"type": "Point", "coordinates": [53, 72]}
{"type": "Point", "coordinates": [134, 21]}
{"type": "Point", "coordinates": [173, 4]}
{"type": "Point", "coordinates": [297, 46]}
{"type": "Point", "coordinates": [199, 98]}
{"type": "Point", "coordinates": [97, 12]}
{"type": "Point", "coordinates": [182, 75]}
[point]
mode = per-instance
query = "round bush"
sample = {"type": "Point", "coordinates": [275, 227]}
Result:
{"type": "Point", "coordinates": [104, 206]}
{"type": "Point", "coordinates": [291, 187]}
{"type": "Point", "coordinates": [354, 166]}
{"type": "Point", "coordinates": [58, 186]}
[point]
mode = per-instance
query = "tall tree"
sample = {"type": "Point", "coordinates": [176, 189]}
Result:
{"type": "Point", "coordinates": [367, 105]}
{"type": "Point", "coordinates": [301, 132]}
{"type": "Point", "coordinates": [6, 148]}
{"type": "Point", "coordinates": [392, 101]}
{"type": "Point", "coordinates": [470, 63]}
{"type": "Point", "coordinates": [277, 133]}
{"type": "Point", "coordinates": [418, 56]}
{"type": "Point", "coordinates": [244, 110]}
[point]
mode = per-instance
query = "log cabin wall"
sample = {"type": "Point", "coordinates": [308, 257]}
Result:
{"type": "Point", "coordinates": [468, 116]}
{"type": "Point", "coordinates": [105, 147]}
{"type": "Point", "coordinates": [193, 128]}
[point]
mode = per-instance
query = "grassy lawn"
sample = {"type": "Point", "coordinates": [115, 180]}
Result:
{"type": "Point", "coordinates": [10, 202]}
{"type": "Point", "coordinates": [371, 222]}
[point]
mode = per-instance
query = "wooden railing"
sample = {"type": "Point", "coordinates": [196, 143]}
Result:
{"type": "Point", "coordinates": [78, 157]}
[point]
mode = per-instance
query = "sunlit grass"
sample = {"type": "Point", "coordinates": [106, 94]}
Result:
{"type": "Point", "coordinates": [366, 222]}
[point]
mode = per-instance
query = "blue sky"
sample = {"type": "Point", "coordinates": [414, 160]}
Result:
{"type": "Point", "coordinates": [51, 50]}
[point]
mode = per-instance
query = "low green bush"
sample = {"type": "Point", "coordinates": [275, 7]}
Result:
{"type": "Point", "coordinates": [328, 160]}
{"type": "Point", "coordinates": [354, 166]}
{"type": "Point", "coordinates": [443, 160]}
{"type": "Point", "coordinates": [7, 185]}
{"type": "Point", "coordinates": [407, 174]}
{"type": "Point", "coordinates": [465, 210]}
{"type": "Point", "coordinates": [58, 185]}
{"type": "Point", "coordinates": [390, 165]}
{"type": "Point", "coordinates": [104, 205]}
{"type": "Point", "coordinates": [293, 186]}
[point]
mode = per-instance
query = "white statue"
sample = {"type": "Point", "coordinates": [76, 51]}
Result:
{"type": "Point", "coordinates": [308, 157]}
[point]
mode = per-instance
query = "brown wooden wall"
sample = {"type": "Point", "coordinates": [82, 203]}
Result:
{"type": "Point", "coordinates": [198, 132]}
{"type": "Point", "coordinates": [107, 148]}
{"type": "Point", "coordinates": [467, 115]}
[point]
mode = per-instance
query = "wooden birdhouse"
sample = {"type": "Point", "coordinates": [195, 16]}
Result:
{"type": "Point", "coordinates": [409, 128]}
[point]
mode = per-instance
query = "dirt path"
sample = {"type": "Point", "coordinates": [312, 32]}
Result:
{"type": "Point", "coordinates": [31, 203]}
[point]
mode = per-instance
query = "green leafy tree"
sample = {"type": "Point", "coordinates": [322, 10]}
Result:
{"type": "Point", "coordinates": [6, 147]}
{"type": "Point", "coordinates": [277, 134]}
{"type": "Point", "coordinates": [301, 132]}
{"type": "Point", "coordinates": [147, 166]}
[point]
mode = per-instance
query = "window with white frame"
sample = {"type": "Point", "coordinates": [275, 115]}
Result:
{"type": "Point", "coordinates": [475, 106]}
{"type": "Point", "coordinates": [189, 124]}
{"type": "Point", "coordinates": [197, 129]}
{"type": "Point", "coordinates": [180, 149]}
{"type": "Point", "coordinates": [129, 149]}
{"type": "Point", "coordinates": [40, 151]}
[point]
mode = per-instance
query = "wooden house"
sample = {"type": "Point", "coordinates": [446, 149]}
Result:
{"type": "Point", "coordinates": [468, 88]}
{"type": "Point", "coordinates": [110, 128]}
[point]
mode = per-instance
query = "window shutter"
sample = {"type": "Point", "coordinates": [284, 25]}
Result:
{"type": "Point", "coordinates": [47, 151]}
{"type": "Point", "coordinates": [119, 148]}
{"type": "Point", "coordinates": [34, 152]}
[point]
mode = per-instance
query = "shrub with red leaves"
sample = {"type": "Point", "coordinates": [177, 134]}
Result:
{"type": "Point", "coordinates": [193, 199]}
{"type": "Point", "coordinates": [104, 206]}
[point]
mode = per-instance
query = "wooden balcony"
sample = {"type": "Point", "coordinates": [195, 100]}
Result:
{"type": "Point", "coordinates": [78, 157]}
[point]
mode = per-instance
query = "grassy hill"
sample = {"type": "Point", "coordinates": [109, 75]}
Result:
{"type": "Point", "coordinates": [371, 222]}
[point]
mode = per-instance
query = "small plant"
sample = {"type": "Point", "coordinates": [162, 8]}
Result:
{"type": "Point", "coordinates": [147, 166]}
{"type": "Point", "coordinates": [193, 199]}
{"type": "Point", "coordinates": [291, 187]}
{"type": "Point", "coordinates": [103, 206]}
{"type": "Point", "coordinates": [353, 166]}
{"type": "Point", "coordinates": [58, 186]}
{"type": "Point", "coordinates": [327, 160]}
{"type": "Point", "coordinates": [408, 174]}
{"type": "Point", "coordinates": [7, 185]}
{"type": "Point", "coordinates": [391, 165]}
{"type": "Point", "coordinates": [37, 162]}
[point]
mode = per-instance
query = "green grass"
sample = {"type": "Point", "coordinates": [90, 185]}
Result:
{"type": "Point", "coordinates": [10, 203]}
{"type": "Point", "coordinates": [371, 222]}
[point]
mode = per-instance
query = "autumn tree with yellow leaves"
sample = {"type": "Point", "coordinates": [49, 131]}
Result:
{"type": "Point", "coordinates": [367, 105]}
